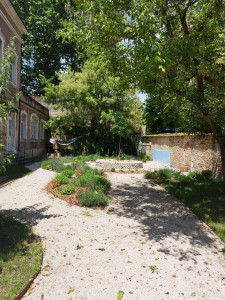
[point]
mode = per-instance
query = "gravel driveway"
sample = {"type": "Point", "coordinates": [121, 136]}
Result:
{"type": "Point", "coordinates": [150, 247]}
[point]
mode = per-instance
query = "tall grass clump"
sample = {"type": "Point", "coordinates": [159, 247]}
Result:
{"type": "Point", "coordinates": [93, 198]}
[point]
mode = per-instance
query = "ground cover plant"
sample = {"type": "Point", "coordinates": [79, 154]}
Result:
{"type": "Point", "coordinates": [77, 183]}
{"type": "Point", "coordinates": [13, 171]}
{"type": "Point", "coordinates": [20, 257]}
{"type": "Point", "coordinates": [204, 195]}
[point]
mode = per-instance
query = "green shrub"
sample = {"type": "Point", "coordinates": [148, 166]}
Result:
{"type": "Point", "coordinates": [100, 173]}
{"type": "Point", "coordinates": [93, 198]}
{"type": "Point", "coordinates": [207, 174]}
{"type": "Point", "coordinates": [68, 190]}
{"type": "Point", "coordinates": [62, 179]}
{"type": "Point", "coordinates": [124, 156]}
{"type": "Point", "coordinates": [113, 170]}
{"type": "Point", "coordinates": [46, 165]}
{"type": "Point", "coordinates": [163, 175]}
{"type": "Point", "coordinates": [101, 184]}
{"type": "Point", "coordinates": [143, 156]}
{"type": "Point", "coordinates": [85, 180]}
{"type": "Point", "coordinates": [68, 173]}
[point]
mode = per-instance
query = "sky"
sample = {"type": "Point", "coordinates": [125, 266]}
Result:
{"type": "Point", "coordinates": [142, 97]}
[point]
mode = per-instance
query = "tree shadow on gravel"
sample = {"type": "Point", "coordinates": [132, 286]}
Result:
{"type": "Point", "coordinates": [31, 215]}
{"type": "Point", "coordinates": [160, 216]}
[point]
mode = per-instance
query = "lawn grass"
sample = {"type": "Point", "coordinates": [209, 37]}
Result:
{"type": "Point", "coordinates": [20, 257]}
{"type": "Point", "coordinates": [14, 171]}
{"type": "Point", "coordinates": [205, 197]}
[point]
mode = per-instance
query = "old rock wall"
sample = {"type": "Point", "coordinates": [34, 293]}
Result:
{"type": "Point", "coordinates": [186, 150]}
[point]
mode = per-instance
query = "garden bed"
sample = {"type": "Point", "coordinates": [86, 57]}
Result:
{"type": "Point", "coordinates": [78, 184]}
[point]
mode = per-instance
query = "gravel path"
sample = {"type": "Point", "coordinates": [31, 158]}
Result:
{"type": "Point", "coordinates": [150, 247]}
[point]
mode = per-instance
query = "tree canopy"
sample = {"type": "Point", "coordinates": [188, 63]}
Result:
{"type": "Point", "coordinates": [44, 50]}
{"type": "Point", "coordinates": [93, 104]}
{"type": "Point", "coordinates": [173, 50]}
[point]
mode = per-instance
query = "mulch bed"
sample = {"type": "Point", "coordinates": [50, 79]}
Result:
{"type": "Point", "coordinates": [53, 186]}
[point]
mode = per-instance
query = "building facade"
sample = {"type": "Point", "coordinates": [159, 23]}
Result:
{"type": "Point", "coordinates": [23, 131]}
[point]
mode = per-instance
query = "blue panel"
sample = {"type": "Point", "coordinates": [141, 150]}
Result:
{"type": "Point", "coordinates": [161, 156]}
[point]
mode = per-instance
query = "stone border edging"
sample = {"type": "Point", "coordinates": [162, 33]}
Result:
{"type": "Point", "coordinates": [119, 164]}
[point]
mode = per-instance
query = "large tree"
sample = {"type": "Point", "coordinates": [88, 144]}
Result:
{"type": "Point", "coordinates": [93, 104]}
{"type": "Point", "coordinates": [171, 49]}
{"type": "Point", "coordinates": [44, 51]}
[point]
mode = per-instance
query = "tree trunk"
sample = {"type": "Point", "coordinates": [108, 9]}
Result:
{"type": "Point", "coordinates": [222, 151]}
{"type": "Point", "coordinates": [119, 149]}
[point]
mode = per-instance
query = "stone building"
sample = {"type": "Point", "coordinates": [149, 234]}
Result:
{"type": "Point", "coordinates": [23, 131]}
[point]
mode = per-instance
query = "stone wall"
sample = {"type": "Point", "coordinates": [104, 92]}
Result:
{"type": "Point", "coordinates": [186, 150]}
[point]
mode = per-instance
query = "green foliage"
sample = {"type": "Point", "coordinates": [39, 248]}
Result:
{"type": "Point", "coordinates": [68, 190]}
{"type": "Point", "coordinates": [173, 51]}
{"type": "Point", "coordinates": [46, 165]}
{"type": "Point", "coordinates": [68, 173]}
{"type": "Point", "coordinates": [14, 171]}
{"type": "Point", "coordinates": [93, 104]}
{"type": "Point", "coordinates": [79, 246]}
{"type": "Point", "coordinates": [5, 163]}
{"type": "Point", "coordinates": [207, 174]}
{"type": "Point", "coordinates": [62, 179]}
{"type": "Point", "coordinates": [44, 50]}
{"type": "Point", "coordinates": [144, 157]}
{"type": "Point", "coordinates": [113, 170]}
{"type": "Point", "coordinates": [153, 268]}
{"type": "Point", "coordinates": [93, 198]}
{"type": "Point", "coordinates": [101, 184]}
{"type": "Point", "coordinates": [162, 116]}
{"type": "Point", "coordinates": [7, 99]}
{"type": "Point", "coordinates": [120, 295]}
{"type": "Point", "coordinates": [163, 175]}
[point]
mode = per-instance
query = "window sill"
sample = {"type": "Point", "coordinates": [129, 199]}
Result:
{"type": "Point", "coordinates": [34, 140]}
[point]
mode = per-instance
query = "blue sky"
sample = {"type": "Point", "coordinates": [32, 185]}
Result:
{"type": "Point", "coordinates": [142, 97]}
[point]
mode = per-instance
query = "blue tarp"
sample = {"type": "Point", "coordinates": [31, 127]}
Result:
{"type": "Point", "coordinates": [161, 156]}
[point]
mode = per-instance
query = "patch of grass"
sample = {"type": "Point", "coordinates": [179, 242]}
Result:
{"type": "Point", "coordinates": [93, 198]}
{"type": "Point", "coordinates": [101, 184]}
{"type": "Point", "coordinates": [79, 246]}
{"type": "Point", "coordinates": [20, 257]}
{"type": "Point", "coordinates": [101, 249]}
{"type": "Point", "coordinates": [68, 190]}
{"type": "Point", "coordinates": [14, 172]}
{"type": "Point", "coordinates": [62, 179]}
{"type": "Point", "coordinates": [203, 195]}
{"type": "Point", "coordinates": [153, 268]}
{"type": "Point", "coordinates": [68, 173]}
{"type": "Point", "coordinates": [120, 295]}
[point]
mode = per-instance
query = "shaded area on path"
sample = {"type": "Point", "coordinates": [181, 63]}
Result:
{"type": "Point", "coordinates": [161, 216]}
{"type": "Point", "coordinates": [31, 215]}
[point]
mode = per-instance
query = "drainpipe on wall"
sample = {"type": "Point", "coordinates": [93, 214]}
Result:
{"type": "Point", "coordinates": [18, 148]}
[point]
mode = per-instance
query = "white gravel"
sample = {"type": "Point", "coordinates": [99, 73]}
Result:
{"type": "Point", "coordinates": [147, 231]}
